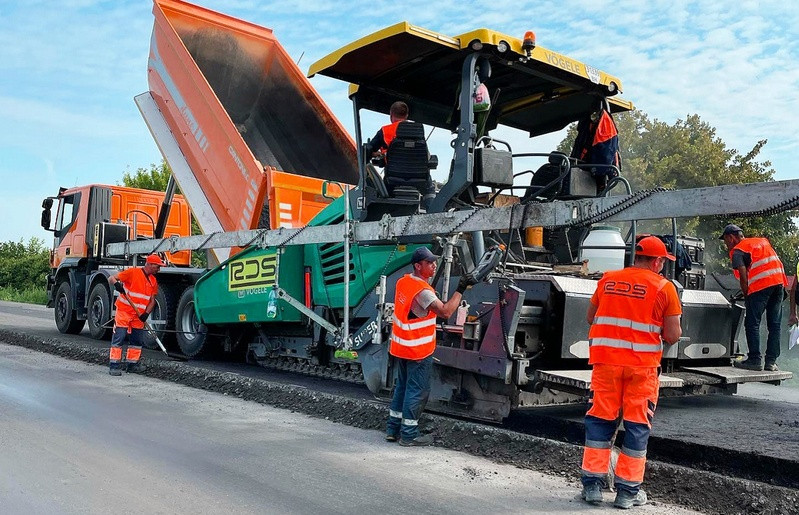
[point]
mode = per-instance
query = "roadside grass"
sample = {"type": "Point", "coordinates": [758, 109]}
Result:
{"type": "Point", "coordinates": [28, 295]}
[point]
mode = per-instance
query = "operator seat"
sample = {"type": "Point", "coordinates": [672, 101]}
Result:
{"type": "Point", "coordinates": [408, 162]}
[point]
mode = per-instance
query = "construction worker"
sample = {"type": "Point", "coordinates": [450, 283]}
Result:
{"type": "Point", "coordinates": [137, 289]}
{"type": "Point", "coordinates": [762, 278]}
{"type": "Point", "coordinates": [413, 341]}
{"type": "Point", "coordinates": [631, 313]}
{"type": "Point", "coordinates": [379, 143]}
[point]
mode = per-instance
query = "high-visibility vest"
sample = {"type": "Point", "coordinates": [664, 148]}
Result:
{"type": "Point", "coordinates": [626, 330]}
{"type": "Point", "coordinates": [766, 268]}
{"type": "Point", "coordinates": [140, 290]}
{"type": "Point", "coordinates": [411, 338]}
{"type": "Point", "coordinates": [390, 132]}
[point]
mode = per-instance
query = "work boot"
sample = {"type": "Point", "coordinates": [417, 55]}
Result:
{"type": "Point", "coordinates": [771, 367]}
{"type": "Point", "coordinates": [419, 441]}
{"type": "Point", "coordinates": [592, 493]}
{"type": "Point", "coordinates": [392, 437]}
{"type": "Point", "coordinates": [115, 371]}
{"type": "Point", "coordinates": [749, 364]}
{"type": "Point", "coordinates": [625, 500]}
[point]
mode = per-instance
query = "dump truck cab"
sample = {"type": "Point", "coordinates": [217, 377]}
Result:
{"type": "Point", "coordinates": [87, 218]}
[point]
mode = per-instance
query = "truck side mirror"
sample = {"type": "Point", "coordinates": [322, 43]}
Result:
{"type": "Point", "coordinates": [46, 218]}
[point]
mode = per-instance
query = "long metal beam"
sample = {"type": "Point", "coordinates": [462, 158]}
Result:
{"type": "Point", "coordinates": [717, 200]}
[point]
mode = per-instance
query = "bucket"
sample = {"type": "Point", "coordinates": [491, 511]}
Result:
{"type": "Point", "coordinates": [603, 248]}
{"type": "Point", "coordinates": [534, 236]}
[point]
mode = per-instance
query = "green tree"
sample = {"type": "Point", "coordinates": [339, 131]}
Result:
{"type": "Point", "coordinates": [156, 178]}
{"type": "Point", "coordinates": [689, 154]}
{"type": "Point", "coordinates": [24, 266]}
{"type": "Point", "coordinates": [153, 178]}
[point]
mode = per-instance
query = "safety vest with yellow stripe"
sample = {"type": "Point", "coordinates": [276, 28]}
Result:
{"type": "Point", "coordinates": [411, 338]}
{"type": "Point", "coordinates": [140, 290]}
{"type": "Point", "coordinates": [766, 268]}
{"type": "Point", "coordinates": [626, 330]}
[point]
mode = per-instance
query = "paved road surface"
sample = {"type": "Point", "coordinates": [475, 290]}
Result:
{"type": "Point", "coordinates": [77, 440]}
{"type": "Point", "coordinates": [760, 418]}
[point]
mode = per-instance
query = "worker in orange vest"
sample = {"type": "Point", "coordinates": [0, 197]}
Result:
{"type": "Point", "coordinates": [379, 143]}
{"type": "Point", "coordinates": [413, 341]}
{"type": "Point", "coordinates": [632, 312]}
{"type": "Point", "coordinates": [762, 278]}
{"type": "Point", "coordinates": [140, 286]}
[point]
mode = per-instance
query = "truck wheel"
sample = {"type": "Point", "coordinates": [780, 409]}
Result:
{"type": "Point", "coordinates": [99, 312]}
{"type": "Point", "coordinates": [65, 317]}
{"type": "Point", "coordinates": [192, 336]}
{"type": "Point", "coordinates": [159, 320]}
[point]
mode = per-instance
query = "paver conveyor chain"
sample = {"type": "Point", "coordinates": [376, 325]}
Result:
{"type": "Point", "coordinates": [783, 206]}
{"type": "Point", "coordinates": [615, 208]}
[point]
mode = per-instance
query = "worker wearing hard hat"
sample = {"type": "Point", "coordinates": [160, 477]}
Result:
{"type": "Point", "coordinates": [137, 289]}
{"type": "Point", "coordinates": [762, 278]}
{"type": "Point", "coordinates": [413, 341]}
{"type": "Point", "coordinates": [632, 312]}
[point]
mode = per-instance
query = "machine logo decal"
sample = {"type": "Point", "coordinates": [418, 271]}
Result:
{"type": "Point", "coordinates": [252, 272]}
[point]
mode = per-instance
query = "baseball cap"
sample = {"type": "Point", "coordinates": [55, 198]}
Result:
{"type": "Point", "coordinates": [652, 246]}
{"type": "Point", "coordinates": [423, 254]}
{"type": "Point", "coordinates": [153, 259]}
{"type": "Point", "coordinates": [730, 229]}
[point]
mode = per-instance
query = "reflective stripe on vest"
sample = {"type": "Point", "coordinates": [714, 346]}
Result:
{"type": "Point", "coordinates": [412, 326]}
{"type": "Point", "coordinates": [626, 330]}
{"type": "Point", "coordinates": [626, 322]}
{"type": "Point", "coordinates": [411, 339]}
{"type": "Point", "coordinates": [625, 344]}
{"type": "Point", "coordinates": [134, 297]}
{"type": "Point", "coordinates": [766, 269]}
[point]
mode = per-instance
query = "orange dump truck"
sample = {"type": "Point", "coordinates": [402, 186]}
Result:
{"type": "Point", "coordinates": [250, 144]}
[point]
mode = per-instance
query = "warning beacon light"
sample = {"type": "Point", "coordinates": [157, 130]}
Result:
{"type": "Point", "coordinates": [528, 43]}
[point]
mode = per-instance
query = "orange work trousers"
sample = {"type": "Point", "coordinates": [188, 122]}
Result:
{"type": "Point", "coordinates": [633, 392]}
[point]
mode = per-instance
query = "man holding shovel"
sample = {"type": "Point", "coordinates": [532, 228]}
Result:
{"type": "Point", "coordinates": [137, 288]}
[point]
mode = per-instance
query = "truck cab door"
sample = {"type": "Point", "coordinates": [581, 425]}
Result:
{"type": "Point", "coordinates": [65, 229]}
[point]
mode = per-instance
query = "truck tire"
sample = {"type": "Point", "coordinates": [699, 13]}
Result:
{"type": "Point", "coordinates": [192, 336]}
{"type": "Point", "coordinates": [65, 317]}
{"type": "Point", "coordinates": [161, 319]}
{"type": "Point", "coordinates": [99, 312]}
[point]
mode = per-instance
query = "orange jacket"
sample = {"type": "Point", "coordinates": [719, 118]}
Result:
{"type": "Point", "coordinates": [766, 268]}
{"type": "Point", "coordinates": [390, 132]}
{"type": "Point", "coordinates": [140, 289]}
{"type": "Point", "coordinates": [411, 338]}
{"type": "Point", "coordinates": [629, 320]}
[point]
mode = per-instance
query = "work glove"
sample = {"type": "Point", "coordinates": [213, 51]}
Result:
{"type": "Point", "coordinates": [143, 316]}
{"type": "Point", "coordinates": [466, 281]}
{"type": "Point", "coordinates": [118, 287]}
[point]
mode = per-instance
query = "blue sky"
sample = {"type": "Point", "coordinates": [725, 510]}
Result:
{"type": "Point", "coordinates": [69, 71]}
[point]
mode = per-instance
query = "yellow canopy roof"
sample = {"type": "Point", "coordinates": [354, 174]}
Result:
{"type": "Point", "coordinates": [539, 94]}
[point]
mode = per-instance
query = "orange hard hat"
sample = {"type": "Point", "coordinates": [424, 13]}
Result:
{"type": "Point", "coordinates": [154, 259]}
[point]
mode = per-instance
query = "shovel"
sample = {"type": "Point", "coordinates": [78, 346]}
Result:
{"type": "Point", "coordinates": [147, 326]}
